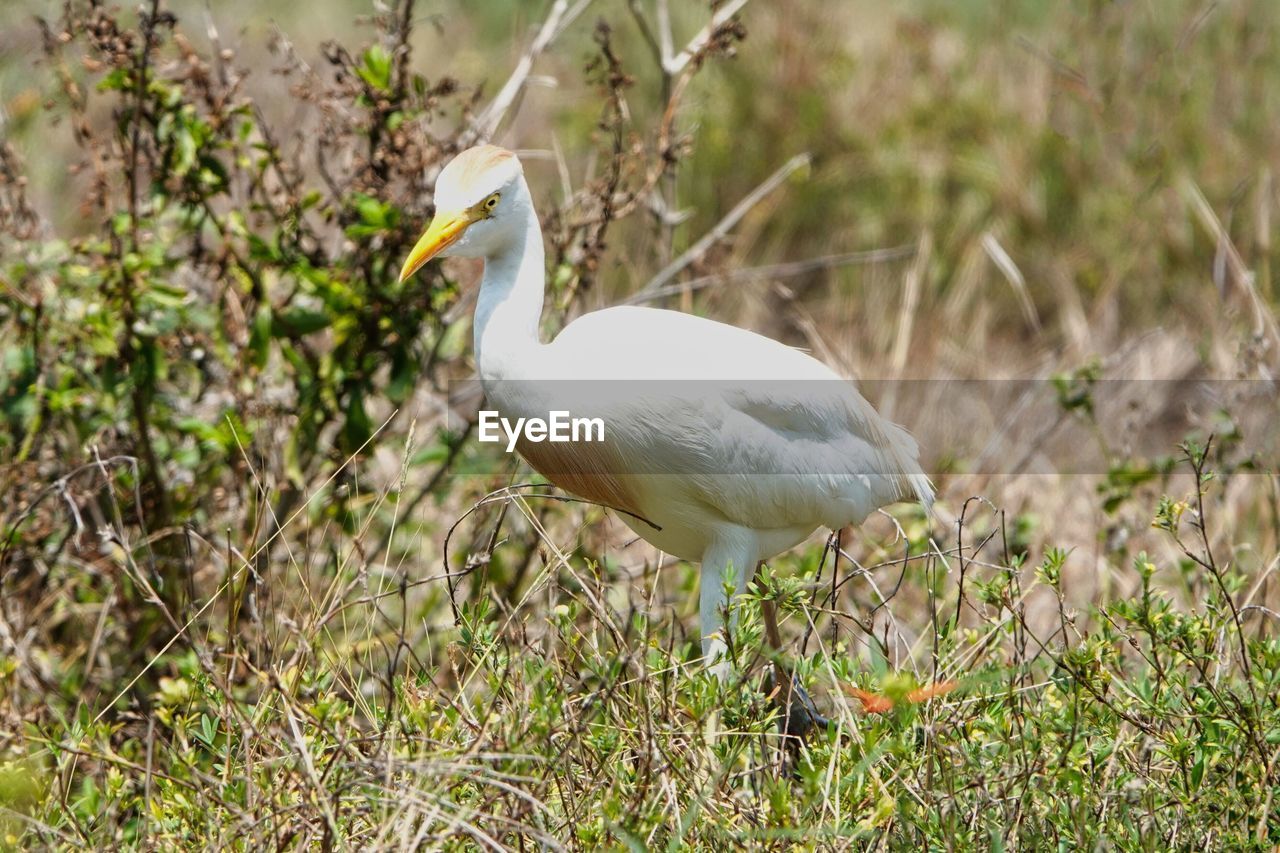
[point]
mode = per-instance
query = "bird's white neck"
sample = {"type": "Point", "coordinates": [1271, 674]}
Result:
{"type": "Point", "coordinates": [509, 307]}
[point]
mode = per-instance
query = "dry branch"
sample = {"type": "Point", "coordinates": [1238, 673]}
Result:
{"type": "Point", "coordinates": [673, 65]}
{"type": "Point", "coordinates": [558, 19]}
{"type": "Point", "coordinates": [789, 269]}
{"type": "Point", "coordinates": [722, 228]}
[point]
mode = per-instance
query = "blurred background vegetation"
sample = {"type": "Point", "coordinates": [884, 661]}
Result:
{"type": "Point", "coordinates": [228, 477]}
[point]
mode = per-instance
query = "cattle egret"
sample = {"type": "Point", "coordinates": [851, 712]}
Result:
{"type": "Point", "coordinates": [763, 447]}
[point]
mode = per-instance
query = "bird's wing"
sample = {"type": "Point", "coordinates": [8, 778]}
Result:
{"type": "Point", "coordinates": [762, 433]}
{"type": "Point", "coordinates": [632, 342]}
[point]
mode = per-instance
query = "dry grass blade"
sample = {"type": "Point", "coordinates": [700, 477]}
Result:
{"type": "Point", "coordinates": [1011, 273]}
{"type": "Point", "coordinates": [722, 228]}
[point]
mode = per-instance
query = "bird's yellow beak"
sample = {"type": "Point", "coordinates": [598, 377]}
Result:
{"type": "Point", "coordinates": [444, 231]}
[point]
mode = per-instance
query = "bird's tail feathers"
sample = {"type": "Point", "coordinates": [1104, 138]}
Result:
{"type": "Point", "coordinates": [922, 487]}
{"type": "Point", "coordinates": [902, 451]}
{"type": "Point", "coordinates": [905, 456]}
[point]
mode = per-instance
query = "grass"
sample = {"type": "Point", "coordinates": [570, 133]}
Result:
{"type": "Point", "coordinates": [575, 715]}
{"type": "Point", "coordinates": [255, 591]}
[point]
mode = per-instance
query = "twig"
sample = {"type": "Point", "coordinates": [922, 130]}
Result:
{"type": "Point", "coordinates": [502, 496]}
{"type": "Point", "coordinates": [1209, 563]}
{"type": "Point", "coordinates": [646, 33]}
{"type": "Point", "coordinates": [560, 16]}
{"type": "Point", "coordinates": [1244, 278]}
{"type": "Point", "coordinates": [723, 227]}
{"type": "Point", "coordinates": [790, 269]}
{"type": "Point", "coordinates": [676, 64]}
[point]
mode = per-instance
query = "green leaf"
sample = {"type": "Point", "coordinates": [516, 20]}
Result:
{"type": "Point", "coordinates": [404, 377]}
{"type": "Point", "coordinates": [358, 427]}
{"type": "Point", "coordinates": [260, 336]}
{"type": "Point", "coordinates": [167, 295]}
{"type": "Point", "coordinates": [116, 80]}
{"type": "Point", "coordinates": [185, 149]}
{"type": "Point", "coordinates": [375, 68]}
{"type": "Point", "coordinates": [298, 320]}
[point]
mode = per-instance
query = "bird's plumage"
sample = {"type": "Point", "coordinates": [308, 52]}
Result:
{"type": "Point", "coordinates": [721, 445]}
{"type": "Point", "coordinates": [706, 419]}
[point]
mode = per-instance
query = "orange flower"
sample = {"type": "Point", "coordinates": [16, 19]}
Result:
{"type": "Point", "coordinates": [877, 703]}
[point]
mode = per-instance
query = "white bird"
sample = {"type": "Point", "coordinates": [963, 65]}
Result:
{"type": "Point", "coordinates": [721, 446]}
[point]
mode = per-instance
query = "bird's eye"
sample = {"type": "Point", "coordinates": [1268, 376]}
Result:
{"type": "Point", "coordinates": [492, 201]}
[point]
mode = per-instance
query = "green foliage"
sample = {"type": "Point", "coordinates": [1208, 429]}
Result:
{"type": "Point", "coordinates": [599, 731]}
{"type": "Point", "coordinates": [216, 289]}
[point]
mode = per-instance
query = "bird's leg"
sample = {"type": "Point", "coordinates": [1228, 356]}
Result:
{"type": "Point", "coordinates": [710, 596]}
{"type": "Point", "coordinates": [799, 713]}
{"type": "Point", "coordinates": [713, 602]}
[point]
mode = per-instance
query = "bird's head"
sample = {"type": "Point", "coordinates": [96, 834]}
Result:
{"type": "Point", "coordinates": [478, 197]}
